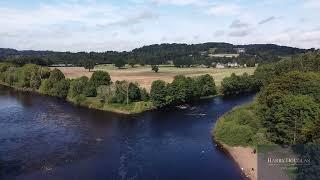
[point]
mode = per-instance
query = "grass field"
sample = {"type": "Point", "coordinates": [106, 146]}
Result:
{"type": "Point", "coordinates": [144, 76]}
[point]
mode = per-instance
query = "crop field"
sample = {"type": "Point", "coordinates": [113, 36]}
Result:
{"type": "Point", "coordinates": [144, 76]}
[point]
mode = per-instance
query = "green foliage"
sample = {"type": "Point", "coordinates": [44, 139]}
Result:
{"type": "Point", "coordinates": [293, 120]}
{"type": "Point", "coordinates": [236, 85]}
{"type": "Point", "coordinates": [119, 63]}
{"type": "Point", "coordinates": [132, 62]}
{"type": "Point", "coordinates": [182, 90]}
{"type": "Point", "coordinates": [134, 92]}
{"type": "Point", "coordinates": [294, 83]}
{"type": "Point", "coordinates": [5, 66]}
{"type": "Point", "coordinates": [288, 100]}
{"type": "Point", "coordinates": [179, 91]}
{"type": "Point", "coordinates": [89, 64]}
{"type": "Point", "coordinates": [183, 55]}
{"type": "Point", "coordinates": [29, 59]}
{"type": "Point", "coordinates": [56, 75]}
{"type": "Point", "coordinates": [205, 86]}
{"type": "Point", "coordinates": [29, 76]}
{"type": "Point", "coordinates": [144, 95]}
{"type": "Point", "coordinates": [309, 62]}
{"type": "Point", "coordinates": [100, 78]}
{"type": "Point", "coordinates": [240, 127]}
{"type": "Point", "coordinates": [90, 90]}
{"type": "Point", "coordinates": [121, 92]}
{"type": "Point", "coordinates": [78, 87]}
{"type": "Point", "coordinates": [158, 93]}
{"type": "Point", "coordinates": [55, 85]}
{"type": "Point", "coordinates": [106, 93]}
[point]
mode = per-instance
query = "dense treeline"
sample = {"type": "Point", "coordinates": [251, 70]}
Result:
{"type": "Point", "coordinates": [181, 90]}
{"type": "Point", "coordinates": [181, 54]}
{"type": "Point", "coordinates": [287, 109]}
{"type": "Point", "coordinates": [238, 85]}
{"type": "Point", "coordinates": [290, 108]}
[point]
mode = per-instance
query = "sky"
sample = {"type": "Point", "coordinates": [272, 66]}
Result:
{"type": "Point", "coordinates": [122, 25]}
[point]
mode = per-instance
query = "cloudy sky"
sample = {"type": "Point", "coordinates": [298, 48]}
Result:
{"type": "Point", "coordinates": [101, 25]}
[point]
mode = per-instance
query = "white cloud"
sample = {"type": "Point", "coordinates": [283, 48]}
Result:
{"type": "Point", "coordinates": [224, 10]}
{"type": "Point", "coordinates": [180, 2]}
{"type": "Point", "coordinates": [239, 24]}
{"type": "Point", "coordinates": [312, 3]}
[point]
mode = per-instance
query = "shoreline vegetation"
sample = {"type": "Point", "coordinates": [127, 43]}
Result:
{"type": "Point", "coordinates": [99, 92]}
{"type": "Point", "coordinates": [286, 111]}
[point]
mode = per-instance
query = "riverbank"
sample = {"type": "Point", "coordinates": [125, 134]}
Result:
{"type": "Point", "coordinates": [245, 158]}
{"type": "Point", "coordinates": [94, 103]}
{"type": "Point", "coordinates": [237, 132]}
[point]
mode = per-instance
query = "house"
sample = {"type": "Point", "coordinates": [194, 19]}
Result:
{"type": "Point", "coordinates": [219, 66]}
{"type": "Point", "coordinates": [224, 55]}
{"type": "Point", "coordinates": [235, 64]}
{"type": "Point", "coordinates": [240, 50]}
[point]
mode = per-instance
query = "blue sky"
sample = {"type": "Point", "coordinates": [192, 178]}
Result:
{"type": "Point", "coordinates": [100, 25]}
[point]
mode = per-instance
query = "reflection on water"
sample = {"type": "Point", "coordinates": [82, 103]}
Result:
{"type": "Point", "coordinates": [47, 138]}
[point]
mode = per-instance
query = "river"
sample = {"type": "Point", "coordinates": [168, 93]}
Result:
{"type": "Point", "coordinates": [46, 138]}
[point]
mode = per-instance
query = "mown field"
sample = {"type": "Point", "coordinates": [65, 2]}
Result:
{"type": "Point", "coordinates": [144, 76]}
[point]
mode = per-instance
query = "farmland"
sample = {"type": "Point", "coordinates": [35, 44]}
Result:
{"type": "Point", "coordinates": [144, 76]}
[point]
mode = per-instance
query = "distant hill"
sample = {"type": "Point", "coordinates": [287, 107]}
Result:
{"type": "Point", "coordinates": [153, 54]}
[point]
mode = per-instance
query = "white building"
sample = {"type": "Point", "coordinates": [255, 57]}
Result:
{"type": "Point", "coordinates": [219, 66]}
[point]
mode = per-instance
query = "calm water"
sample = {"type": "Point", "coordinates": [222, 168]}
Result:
{"type": "Point", "coordinates": [46, 138]}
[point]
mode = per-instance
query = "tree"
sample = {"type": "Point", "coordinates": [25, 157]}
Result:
{"type": "Point", "coordinates": [154, 68]}
{"type": "Point", "coordinates": [179, 90]}
{"type": "Point", "coordinates": [90, 90]}
{"type": "Point", "coordinates": [132, 62]}
{"type": "Point", "coordinates": [120, 63]}
{"type": "Point", "coordinates": [206, 85]}
{"type": "Point", "coordinates": [99, 78]}
{"type": "Point", "coordinates": [78, 86]}
{"type": "Point", "coordinates": [144, 95]}
{"type": "Point", "coordinates": [293, 120]}
{"type": "Point", "coordinates": [121, 92]}
{"type": "Point", "coordinates": [89, 64]}
{"type": "Point", "coordinates": [134, 92]}
{"type": "Point", "coordinates": [106, 93]}
{"type": "Point", "coordinates": [56, 75]}
{"type": "Point", "coordinates": [55, 85]}
{"type": "Point", "coordinates": [158, 93]}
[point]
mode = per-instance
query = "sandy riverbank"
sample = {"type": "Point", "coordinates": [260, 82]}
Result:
{"type": "Point", "coordinates": [245, 158]}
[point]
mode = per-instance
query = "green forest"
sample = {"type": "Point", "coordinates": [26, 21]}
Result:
{"type": "Point", "coordinates": [285, 111]}
{"type": "Point", "coordinates": [181, 55]}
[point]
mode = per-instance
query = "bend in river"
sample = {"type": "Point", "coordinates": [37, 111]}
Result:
{"type": "Point", "coordinates": [46, 138]}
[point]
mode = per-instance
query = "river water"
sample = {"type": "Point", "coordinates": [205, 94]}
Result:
{"type": "Point", "coordinates": [46, 138]}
